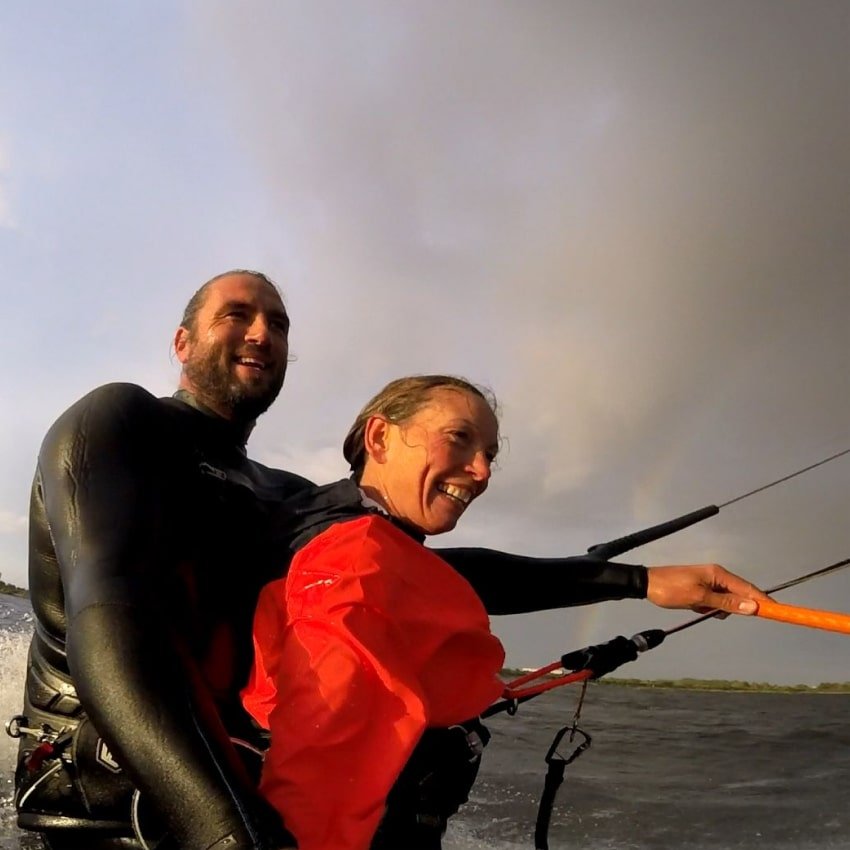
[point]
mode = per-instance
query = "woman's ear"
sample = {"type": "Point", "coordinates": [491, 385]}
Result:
{"type": "Point", "coordinates": [376, 438]}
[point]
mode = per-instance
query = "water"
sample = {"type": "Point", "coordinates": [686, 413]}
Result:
{"type": "Point", "coordinates": [15, 629]}
{"type": "Point", "coordinates": [672, 769]}
{"type": "Point", "coordinates": [667, 770]}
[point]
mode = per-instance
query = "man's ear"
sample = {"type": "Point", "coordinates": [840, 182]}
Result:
{"type": "Point", "coordinates": [376, 438]}
{"type": "Point", "coordinates": [181, 344]}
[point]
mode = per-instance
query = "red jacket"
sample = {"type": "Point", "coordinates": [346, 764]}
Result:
{"type": "Point", "coordinates": [369, 640]}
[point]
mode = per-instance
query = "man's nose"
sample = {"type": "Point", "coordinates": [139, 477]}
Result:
{"type": "Point", "coordinates": [259, 331]}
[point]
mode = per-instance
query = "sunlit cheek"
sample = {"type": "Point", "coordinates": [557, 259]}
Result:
{"type": "Point", "coordinates": [213, 333]}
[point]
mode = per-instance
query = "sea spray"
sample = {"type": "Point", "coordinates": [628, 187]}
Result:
{"type": "Point", "coordinates": [13, 662]}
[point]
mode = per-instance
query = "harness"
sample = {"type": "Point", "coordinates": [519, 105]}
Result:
{"type": "Point", "coordinates": [51, 743]}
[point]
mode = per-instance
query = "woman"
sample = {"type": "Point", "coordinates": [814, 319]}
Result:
{"type": "Point", "coordinates": [372, 639]}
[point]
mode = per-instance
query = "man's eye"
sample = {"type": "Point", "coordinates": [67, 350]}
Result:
{"type": "Point", "coordinates": [460, 436]}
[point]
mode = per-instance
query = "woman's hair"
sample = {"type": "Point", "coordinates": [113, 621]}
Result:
{"type": "Point", "coordinates": [397, 402]}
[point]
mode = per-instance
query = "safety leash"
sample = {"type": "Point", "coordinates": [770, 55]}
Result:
{"type": "Point", "coordinates": [556, 764]}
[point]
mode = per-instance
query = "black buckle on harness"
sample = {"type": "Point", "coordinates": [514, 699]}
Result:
{"type": "Point", "coordinates": [554, 757]}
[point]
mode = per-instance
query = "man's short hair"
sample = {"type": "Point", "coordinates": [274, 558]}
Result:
{"type": "Point", "coordinates": [196, 302]}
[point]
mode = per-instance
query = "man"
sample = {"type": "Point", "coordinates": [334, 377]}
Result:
{"type": "Point", "coordinates": [149, 543]}
{"type": "Point", "coordinates": [151, 535]}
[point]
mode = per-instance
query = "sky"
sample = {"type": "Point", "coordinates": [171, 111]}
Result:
{"type": "Point", "coordinates": [629, 218]}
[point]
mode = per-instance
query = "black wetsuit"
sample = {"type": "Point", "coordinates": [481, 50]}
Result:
{"type": "Point", "coordinates": [151, 534]}
{"type": "Point", "coordinates": [149, 542]}
{"type": "Point", "coordinates": [506, 583]}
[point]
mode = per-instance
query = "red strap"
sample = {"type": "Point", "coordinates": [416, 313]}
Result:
{"type": "Point", "coordinates": [39, 755]}
{"type": "Point", "coordinates": [514, 689]}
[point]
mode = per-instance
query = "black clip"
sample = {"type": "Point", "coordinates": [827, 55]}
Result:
{"type": "Point", "coordinates": [554, 756]}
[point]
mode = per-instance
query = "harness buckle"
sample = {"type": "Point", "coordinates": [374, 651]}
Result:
{"type": "Point", "coordinates": [554, 756]}
{"type": "Point", "coordinates": [16, 728]}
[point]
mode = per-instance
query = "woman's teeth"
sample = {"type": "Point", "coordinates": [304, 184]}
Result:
{"type": "Point", "coordinates": [460, 494]}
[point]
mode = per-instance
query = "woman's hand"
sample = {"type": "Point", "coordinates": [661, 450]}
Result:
{"type": "Point", "coordinates": [703, 588]}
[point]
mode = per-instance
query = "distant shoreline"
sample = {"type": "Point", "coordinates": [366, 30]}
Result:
{"type": "Point", "coordinates": [731, 685]}
{"type": "Point", "coordinates": [727, 685]}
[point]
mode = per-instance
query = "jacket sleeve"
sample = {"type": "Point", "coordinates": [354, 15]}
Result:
{"type": "Point", "coordinates": [345, 716]}
{"type": "Point", "coordinates": [104, 502]}
{"type": "Point", "coordinates": [517, 584]}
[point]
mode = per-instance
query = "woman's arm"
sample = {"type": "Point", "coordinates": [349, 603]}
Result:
{"type": "Point", "coordinates": [517, 584]}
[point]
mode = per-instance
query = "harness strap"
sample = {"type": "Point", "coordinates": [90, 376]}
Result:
{"type": "Point", "coordinates": [554, 777]}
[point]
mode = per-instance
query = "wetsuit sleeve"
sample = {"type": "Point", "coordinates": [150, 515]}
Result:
{"type": "Point", "coordinates": [346, 716]}
{"type": "Point", "coordinates": [104, 498]}
{"type": "Point", "coordinates": [517, 584]}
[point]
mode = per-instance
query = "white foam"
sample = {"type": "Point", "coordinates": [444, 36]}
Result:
{"type": "Point", "coordinates": [13, 663]}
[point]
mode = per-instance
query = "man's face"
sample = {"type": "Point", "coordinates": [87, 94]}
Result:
{"type": "Point", "coordinates": [234, 359]}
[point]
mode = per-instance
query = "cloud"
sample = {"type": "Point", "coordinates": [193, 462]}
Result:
{"type": "Point", "coordinates": [647, 266]}
{"type": "Point", "coordinates": [632, 227]}
{"type": "Point", "coordinates": [6, 218]}
{"type": "Point", "coordinates": [321, 465]}
{"type": "Point", "coordinates": [11, 523]}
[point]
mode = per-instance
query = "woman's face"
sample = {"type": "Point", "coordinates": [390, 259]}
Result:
{"type": "Point", "coordinates": [428, 469]}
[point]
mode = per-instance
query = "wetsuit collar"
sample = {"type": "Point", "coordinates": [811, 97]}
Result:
{"type": "Point", "coordinates": [371, 504]}
{"type": "Point", "coordinates": [239, 431]}
{"type": "Point", "coordinates": [308, 513]}
{"type": "Point", "coordinates": [376, 507]}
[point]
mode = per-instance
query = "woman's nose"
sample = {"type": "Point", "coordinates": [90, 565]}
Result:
{"type": "Point", "coordinates": [481, 466]}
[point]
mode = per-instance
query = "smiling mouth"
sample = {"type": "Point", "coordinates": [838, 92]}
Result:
{"type": "Point", "coordinates": [458, 494]}
{"type": "Point", "coordinates": [252, 363]}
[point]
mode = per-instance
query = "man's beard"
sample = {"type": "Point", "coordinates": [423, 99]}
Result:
{"type": "Point", "coordinates": [215, 385]}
